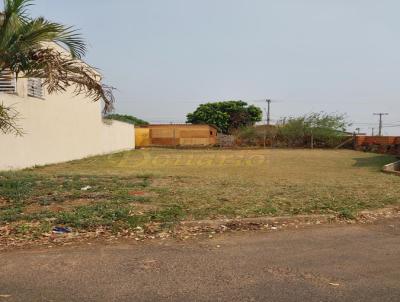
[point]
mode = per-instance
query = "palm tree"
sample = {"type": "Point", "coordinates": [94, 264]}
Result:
{"type": "Point", "coordinates": [25, 51]}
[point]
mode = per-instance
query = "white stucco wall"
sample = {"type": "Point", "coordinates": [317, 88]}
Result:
{"type": "Point", "coordinates": [58, 128]}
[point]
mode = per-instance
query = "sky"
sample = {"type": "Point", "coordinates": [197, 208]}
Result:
{"type": "Point", "coordinates": [165, 57]}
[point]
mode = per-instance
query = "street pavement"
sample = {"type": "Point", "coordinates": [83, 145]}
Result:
{"type": "Point", "coordinates": [319, 263]}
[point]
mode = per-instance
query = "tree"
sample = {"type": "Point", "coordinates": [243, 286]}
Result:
{"type": "Point", "coordinates": [127, 119]}
{"type": "Point", "coordinates": [25, 51]}
{"type": "Point", "coordinates": [319, 129]}
{"type": "Point", "coordinates": [227, 116]}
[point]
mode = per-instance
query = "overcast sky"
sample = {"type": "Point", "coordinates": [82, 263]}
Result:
{"type": "Point", "coordinates": [167, 56]}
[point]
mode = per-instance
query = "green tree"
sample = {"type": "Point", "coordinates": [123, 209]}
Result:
{"type": "Point", "coordinates": [227, 116]}
{"type": "Point", "coordinates": [127, 119]}
{"type": "Point", "coordinates": [320, 129]}
{"type": "Point", "coordinates": [25, 51]}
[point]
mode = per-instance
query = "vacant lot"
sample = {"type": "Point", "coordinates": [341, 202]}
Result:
{"type": "Point", "coordinates": [130, 189]}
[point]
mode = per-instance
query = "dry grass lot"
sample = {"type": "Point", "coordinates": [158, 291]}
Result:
{"type": "Point", "coordinates": [134, 188]}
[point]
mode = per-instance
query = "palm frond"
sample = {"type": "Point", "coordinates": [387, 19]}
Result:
{"type": "Point", "coordinates": [23, 51]}
{"type": "Point", "coordinates": [18, 32]}
{"type": "Point", "coordinates": [37, 31]}
{"type": "Point", "coordinates": [60, 72]}
{"type": "Point", "coordinates": [14, 15]}
{"type": "Point", "coordinates": [71, 38]}
{"type": "Point", "coordinates": [18, 8]}
{"type": "Point", "coordinates": [8, 120]}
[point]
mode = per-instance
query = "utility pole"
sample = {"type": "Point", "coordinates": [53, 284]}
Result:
{"type": "Point", "coordinates": [268, 112]}
{"type": "Point", "coordinates": [312, 139]}
{"type": "Point", "coordinates": [265, 129]}
{"type": "Point", "coordinates": [380, 121]}
{"type": "Point", "coordinates": [267, 121]}
{"type": "Point", "coordinates": [358, 130]}
{"type": "Point", "coordinates": [372, 132]}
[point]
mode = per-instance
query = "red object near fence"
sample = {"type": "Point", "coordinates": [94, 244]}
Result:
{"type": "Point", "coordinates": [363, 140]}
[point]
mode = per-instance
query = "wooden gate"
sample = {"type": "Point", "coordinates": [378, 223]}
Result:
{"type": "Point", "coordinates": [142, 137]}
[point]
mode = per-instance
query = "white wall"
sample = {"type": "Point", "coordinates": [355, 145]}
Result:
{"type": "Point", "coordinates": [60, 127]}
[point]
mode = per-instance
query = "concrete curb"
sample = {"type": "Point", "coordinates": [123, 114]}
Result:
{"type": "Point", "coordinates": [279, 222]}
{"type": "Point", "coordinates": [213, 224]}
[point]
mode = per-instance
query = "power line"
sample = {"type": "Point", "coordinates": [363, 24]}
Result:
{"type": "Point", "coordinates": [367, 124]}
{"type": "Point", "coordinates": [391, 126]}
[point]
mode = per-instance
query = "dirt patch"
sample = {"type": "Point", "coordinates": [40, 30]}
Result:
{"type": "Point", "coordinates": [187, 229]}
{"type": "Point", "coordinates": [142, 193]}
{"type": "Point", "coordinates": [371, 215]}
{"type": "Point", "coordinates": [3, 202]}
{"type": "Point", "coordinates": [162, 182]}
{"type": "Point", "coordinates": [142, 208]}
{"type": "Point", "coordinates": [190, 228]}
{"type": "Point", "coordinates": [57, 207]}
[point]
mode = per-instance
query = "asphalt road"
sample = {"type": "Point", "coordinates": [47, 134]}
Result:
{"type": "Point", "coordinates": [323, 263]}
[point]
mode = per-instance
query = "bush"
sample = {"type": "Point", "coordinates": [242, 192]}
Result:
{"type": "Point", "coordinates": [321, 130]}
{"type": "Point", "coordinates": [255, 136]}
{"type": "Point", "coordinates": [127, 119]}
{"type": "Point", "coordinates": [249, 136]}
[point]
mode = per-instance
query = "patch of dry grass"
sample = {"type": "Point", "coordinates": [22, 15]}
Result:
{"type": "Point", "coordinates": [163, 185]}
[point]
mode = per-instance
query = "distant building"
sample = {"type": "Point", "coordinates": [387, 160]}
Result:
{"type": "Point", "coordinates": [176, 135]}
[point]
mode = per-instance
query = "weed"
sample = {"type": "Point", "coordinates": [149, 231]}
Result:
{"type": "Point", "coordinates": [346, 214]}
{"type": "Point", "coordinates": [10, 214]}
{"type": "Point", "coordinates": [170, 214]}
{"type": "Point", "coordinates": [15, 187]}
